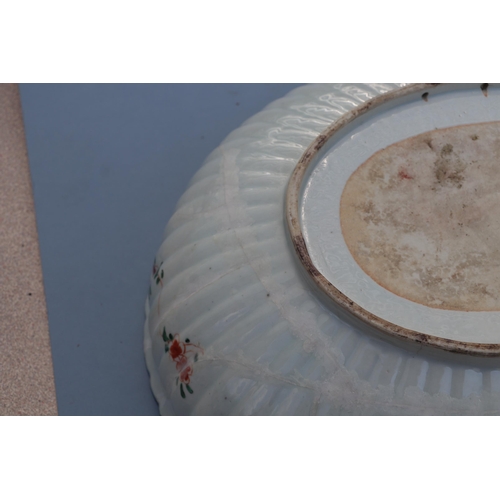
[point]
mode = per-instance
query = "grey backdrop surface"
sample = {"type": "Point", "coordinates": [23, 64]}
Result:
{"type": "Point", "coordinates": [108, 165]}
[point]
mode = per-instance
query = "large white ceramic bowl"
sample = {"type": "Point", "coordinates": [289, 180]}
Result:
{"type": "Point", "coordinates": [311, 267]}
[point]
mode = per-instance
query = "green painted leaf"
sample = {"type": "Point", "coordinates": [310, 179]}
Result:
{"type": "Point", "coordinates": [157, 280]}
{"type": "Point", "coordinates": [162, 273]}
{"type": "Point", "coordinates": [166, 348]}
{"type": "Point", "coordinates": [189, 389]}
{"type": "Point", "coordinates": [164, 335]}
{"type": "Point", "coordinates": [187, 341]}
{"type": "Point", "coordinates": [182, 392]}
{"type": "Point", "coordinates": [170, 336]}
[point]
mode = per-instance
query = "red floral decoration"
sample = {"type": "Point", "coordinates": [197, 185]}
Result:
{"type": "Point", "coordinates": [184, 355]}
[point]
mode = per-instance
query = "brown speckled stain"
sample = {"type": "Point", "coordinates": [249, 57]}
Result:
{"type": "Point", "coordinates": [422, 217]}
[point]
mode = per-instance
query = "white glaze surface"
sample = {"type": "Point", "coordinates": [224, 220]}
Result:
{"type": "Point", "coordinates": [231, 284]}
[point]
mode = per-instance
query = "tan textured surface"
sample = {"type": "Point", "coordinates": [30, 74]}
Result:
{"type": "Point", "coordinates": [422, 217]}
{"type": "Point", "coordinates": [26, 373]}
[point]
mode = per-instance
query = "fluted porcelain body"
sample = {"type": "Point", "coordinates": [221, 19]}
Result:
{"type": "Point", "coordinates": [233, 326]}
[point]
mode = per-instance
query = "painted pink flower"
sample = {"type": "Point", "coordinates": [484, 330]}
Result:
{"type": "Point", "coordinates": [186, 373]}
{"type": "Point", "coordinates": [184, 354]}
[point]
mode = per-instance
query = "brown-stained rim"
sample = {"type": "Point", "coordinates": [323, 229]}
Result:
{"type": "Point", "coordinates": [293, 221]}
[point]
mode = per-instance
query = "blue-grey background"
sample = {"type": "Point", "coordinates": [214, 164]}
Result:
{"type": "Point", "coordinates": [108, 165]}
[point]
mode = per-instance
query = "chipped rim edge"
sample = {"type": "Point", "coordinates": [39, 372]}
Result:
{"type": "Point", "coordinates": [292, 201]}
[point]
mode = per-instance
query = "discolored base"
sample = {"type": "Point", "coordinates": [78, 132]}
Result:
{"type": "Point", "coordinates": [421, 218]}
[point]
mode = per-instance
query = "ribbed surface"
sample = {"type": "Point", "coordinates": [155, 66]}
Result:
{"type": "Point", "coordinates": [231, 285]}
